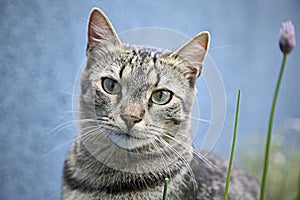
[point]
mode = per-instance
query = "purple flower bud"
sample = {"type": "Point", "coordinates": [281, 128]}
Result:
{"type": "Point", "coordinates": [287, 40]}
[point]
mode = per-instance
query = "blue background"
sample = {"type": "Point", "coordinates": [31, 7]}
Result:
{"type": "Point", "coordinates": [43, 45]}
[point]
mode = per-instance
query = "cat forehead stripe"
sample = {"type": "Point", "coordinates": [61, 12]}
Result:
{"type": "Point", "coordinates": [139, 57]}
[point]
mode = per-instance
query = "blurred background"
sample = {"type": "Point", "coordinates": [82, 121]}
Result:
{"type": "Point", "coordinates": [43, 46]}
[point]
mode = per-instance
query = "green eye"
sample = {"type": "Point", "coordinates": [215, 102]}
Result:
{"type": "Point", "coordinates": [161, 97]}
{"type": "Point", "coordinates": [111, 86]}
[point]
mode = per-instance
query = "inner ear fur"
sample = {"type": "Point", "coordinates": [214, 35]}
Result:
{"type": "Point", "coordinates": [194, 52]}
{"type": "Point", "coordinates": [100, 30]}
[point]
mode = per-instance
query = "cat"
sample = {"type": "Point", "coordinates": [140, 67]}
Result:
{"type": "Point", "coordinates": [134, 123]}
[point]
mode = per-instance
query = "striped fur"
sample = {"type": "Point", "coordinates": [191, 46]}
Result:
{"type": "Point", "coordinates": [128, 143]}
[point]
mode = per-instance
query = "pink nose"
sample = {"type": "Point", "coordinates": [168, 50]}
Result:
{"type": "Point", "coordinates": [130, 120]}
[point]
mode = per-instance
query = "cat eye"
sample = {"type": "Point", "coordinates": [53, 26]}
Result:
{"type": "Point", "coordinates": [111, 86]}
{"type": "Point", "coordinates": [161, 97]}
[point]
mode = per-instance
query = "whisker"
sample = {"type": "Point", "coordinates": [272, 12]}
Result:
{"type": "Point", "coordinates": [67, 92]}
{"type": "Point", "coordinates": [56, 148]}
{"type": "Point", "coordinates": [219, 47]}
{"type": "Point", "coordinates": [162, 158]}
{"type": "Point", "coordinates": [166, 155]}
{"type": "Point", "coordinates": [195, 184]}
{"type": "Point", "coordinates": [59, 127]}
{"type": "Point", "coordinates": [201, 120]}
{"type": "Point", "coordinates": [64, 125]}
{"type": "Point", "coordinates": [94, 131]}
{"type": "Point", "coordinates": [197, 153]}
{"type": "Point", "coordinates": [90, 135]}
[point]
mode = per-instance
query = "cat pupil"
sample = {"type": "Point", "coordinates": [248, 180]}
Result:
{"type": "Point", "coordinates": [160, 95]}
{"type": "Point", "coordinates": [112, 85]}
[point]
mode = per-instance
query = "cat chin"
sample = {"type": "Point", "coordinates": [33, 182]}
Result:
{"type": "Point", "coordinates": [129, 142]}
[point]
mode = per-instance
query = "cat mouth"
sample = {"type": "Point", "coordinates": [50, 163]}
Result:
{"type": "Point", "coordinates": [127, 135]}
{"type": "Point", "coordinates": [129, 141]}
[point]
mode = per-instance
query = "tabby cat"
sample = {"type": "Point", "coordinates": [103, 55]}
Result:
{"type": "Point", "coordinates": [134, 123]}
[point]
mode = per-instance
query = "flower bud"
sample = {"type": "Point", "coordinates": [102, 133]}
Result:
{"type": "Point", "coordinates": [287, 40]}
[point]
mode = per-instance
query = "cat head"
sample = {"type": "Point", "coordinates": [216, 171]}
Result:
{"type": "Point", "coordinates": [137, 97]}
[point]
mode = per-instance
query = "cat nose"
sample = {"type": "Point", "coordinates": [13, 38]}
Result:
{"type": "Point", "coordinates": [130, 120]}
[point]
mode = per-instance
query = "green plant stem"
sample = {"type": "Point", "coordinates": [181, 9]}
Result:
{"type": "Point", "coordinates": [165, 188]}
{"type": "Point", "coordinates": [298, 193]}
{"type": "Point", "coordinates": [267, 152]}
{"type": "Point", "coordinates": [232, 145]}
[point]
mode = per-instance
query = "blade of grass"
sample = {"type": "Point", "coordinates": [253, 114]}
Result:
{"type": "Point", "coordinates": [232, 145]}
{"type": "Point", "coordinates": [268, 143]}
{"type": "Point", "coordinates": [165, 188]}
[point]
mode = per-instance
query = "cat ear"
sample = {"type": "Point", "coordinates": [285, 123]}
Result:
{"type": "Point", "coordinates": [194, 51]}
{"type": "Point", "coordinates": [100, 30]}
